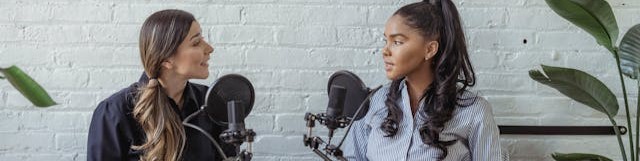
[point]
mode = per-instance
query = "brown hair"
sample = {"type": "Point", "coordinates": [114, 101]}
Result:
{"type": "Point", "coordinates": [160, 36]}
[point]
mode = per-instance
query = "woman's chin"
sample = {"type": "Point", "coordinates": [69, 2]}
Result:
{"type": "Point", "coordinates": [205, 76]}
{"type": "Point", "coordinates": [391, 76]}
{"type": "Point", "coordinates": [201, 76]}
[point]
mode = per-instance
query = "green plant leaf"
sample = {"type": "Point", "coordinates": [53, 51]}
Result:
{"type": "Point", "coordinates": [578, 86]}
{"type": "Point", "coordinates": [28, 87]}
{"type": "Point", "coordinates": [629, 51]}
{"type": "Point", "coordinates": [593, 16]}
{"type": "Point", "coordinates": [578, 157]}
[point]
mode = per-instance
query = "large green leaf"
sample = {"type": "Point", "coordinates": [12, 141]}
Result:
{"type": "Point", "coordinates": [578, 157]}
{"type": "Point", "coordinates": [580, 87]}
{"type": "Point", "coordinates": [593, 16]}
{"type": "Point", "coordinates": [28, 87]}
{"type": "Point", "coordinates": [629, 50]}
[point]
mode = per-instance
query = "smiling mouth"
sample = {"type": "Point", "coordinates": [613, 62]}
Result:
{"type": "Point", "coordinates": [205, 63]}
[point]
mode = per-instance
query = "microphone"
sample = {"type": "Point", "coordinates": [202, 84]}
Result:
{"type": "Point", "coordinates": [335, 107]}
{"type": "Point", "coordinates": [235, 110]}
{"type": "Point", "coordinates": [348, 102]}
{"type": "Point", "coordinates": [228, 102]}
{"type": "Point", "coordinates": [237, 134]}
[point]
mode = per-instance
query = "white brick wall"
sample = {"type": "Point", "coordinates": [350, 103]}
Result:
{"type": "Point", "coordinates": [84, 50]}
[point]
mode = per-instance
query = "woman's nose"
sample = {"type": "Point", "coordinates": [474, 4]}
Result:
{"type": "Point", "coordinates": [385, 51]}
{"type": "Point", "coordinates": [209, 49]}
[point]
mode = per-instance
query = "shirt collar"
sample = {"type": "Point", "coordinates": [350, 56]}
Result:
{"type": "Point", "coordinates": [143, 78]}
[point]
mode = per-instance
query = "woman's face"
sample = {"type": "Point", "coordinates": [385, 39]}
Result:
{"type": "Point", "coordinates": [405, 51]}
{"type": "Point", "coordinates": [190, 60]}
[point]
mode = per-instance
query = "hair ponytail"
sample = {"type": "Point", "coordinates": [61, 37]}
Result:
{"type": "Point", "coordinates": [455, 43]}
{"type": "Point", "coordinates": [165, 137]}
{"type": "Point", "coordinates": [160, 36]}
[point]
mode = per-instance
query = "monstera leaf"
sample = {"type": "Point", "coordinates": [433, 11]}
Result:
{"type": "Point", "coordinates": [629, 51]}
{"type": "Point", "coordinates": [578, 86]}
{"type": "Point", "coordinates": [27, 86]}
{"type": "Point", "coordinates": [578, 157]}
{"type": "Point", "coordinates": [593, 16]}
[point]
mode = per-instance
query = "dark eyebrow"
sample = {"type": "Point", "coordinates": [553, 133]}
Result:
{"type": "Point", "coordinates": [395, 35]}
{"type": "Point", "coordinates": [195, 36]}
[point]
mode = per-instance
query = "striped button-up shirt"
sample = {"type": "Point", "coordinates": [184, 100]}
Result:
{"type": "Point", "coordinates": [472, 126]}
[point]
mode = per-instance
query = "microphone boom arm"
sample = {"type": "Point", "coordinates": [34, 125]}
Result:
{"type": "Point", "coordinates": [215, 143]}
{"type": "Point", "coordinates": [314, 142]}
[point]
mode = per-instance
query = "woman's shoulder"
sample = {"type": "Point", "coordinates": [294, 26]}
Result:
{"type": "Point", "coordinates": [472, 104]}
{"type": "Point", "coordinates": [119, 103]}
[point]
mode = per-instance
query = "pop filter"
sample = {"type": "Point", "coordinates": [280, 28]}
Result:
{"type": "Point", "coordinates": [232, 87]}
{"type": "Point", "coordinates": [348, 96]}
{"type": "Point", "coordinates": [356, 93]}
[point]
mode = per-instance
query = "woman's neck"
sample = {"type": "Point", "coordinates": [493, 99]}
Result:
{"type": "Point", "coordinates": [417, 82]}
{"type": "Point", "coordinates": [174, 87]}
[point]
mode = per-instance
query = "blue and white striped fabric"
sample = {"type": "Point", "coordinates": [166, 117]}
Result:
{"type": "Point", "coordinates": [473, 126]}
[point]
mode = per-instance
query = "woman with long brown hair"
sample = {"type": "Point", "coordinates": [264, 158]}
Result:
{"type": "Point", "coordinates": [426, 113]}
{"type": "Point", "coordinates": [144, 120]}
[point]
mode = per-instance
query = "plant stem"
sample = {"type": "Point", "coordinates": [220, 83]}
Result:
{"type": "Point", "coordinates": [637, 113]}
{"type": "Point", "coordinates": [626, 105]}
{"type": "Point", "coordinates": [617, 131]}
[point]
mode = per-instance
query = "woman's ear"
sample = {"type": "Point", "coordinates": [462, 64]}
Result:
{"type": "Point", "coordinates": [431, 49]}
{"type": "Point", "coordinates": [168, 64]}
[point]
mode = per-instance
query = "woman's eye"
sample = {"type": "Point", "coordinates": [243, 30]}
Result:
{"type": "Point", "coordinates": [197, 43]}
{"type": "Point", "coordinates": [397, 42]}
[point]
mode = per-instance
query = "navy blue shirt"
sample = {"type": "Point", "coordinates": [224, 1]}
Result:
{"type": "Point", "coordinates": [113, 129]}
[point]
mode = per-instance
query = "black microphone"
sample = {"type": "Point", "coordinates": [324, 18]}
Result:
{"type": "Point", "coordinates": [228, 101]}
{"type": "Point", "coordinates": [335, 107]}
{"type": "Point", "coordinates": [348, 102]}
{"type": "Point", "coordinates": [237, 134]}
{"type": "Point", "coordinates": [235, 113]}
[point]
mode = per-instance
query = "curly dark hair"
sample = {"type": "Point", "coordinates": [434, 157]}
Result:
{"type": "Point", "coordinates": [453, 73]}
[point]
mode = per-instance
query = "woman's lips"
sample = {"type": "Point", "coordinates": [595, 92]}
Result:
{"type": "Point", "coordinates": [205, 63]}
{"type": "Point", "coordinates": [388, 66]}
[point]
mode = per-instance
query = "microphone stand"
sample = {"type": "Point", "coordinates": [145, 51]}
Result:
{"type": "Point", "coordinates": [314, 142]}
{"type": "Point", "coordinates": [237, 138]}
{"type": "Point", "coordinates": [235, 135]}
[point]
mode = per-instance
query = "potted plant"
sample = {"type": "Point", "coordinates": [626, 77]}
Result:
{"type": "Point", "coordinates": [596, 18]}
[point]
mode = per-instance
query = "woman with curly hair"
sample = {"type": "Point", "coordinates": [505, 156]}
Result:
{"type": "Point", "coordinates": [426, 113]}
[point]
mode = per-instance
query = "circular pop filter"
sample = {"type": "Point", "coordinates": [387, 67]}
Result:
{"type": "Point", "coordinates": [232, 87]}
{"type": "Point", "coordinates": [356, 93]}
